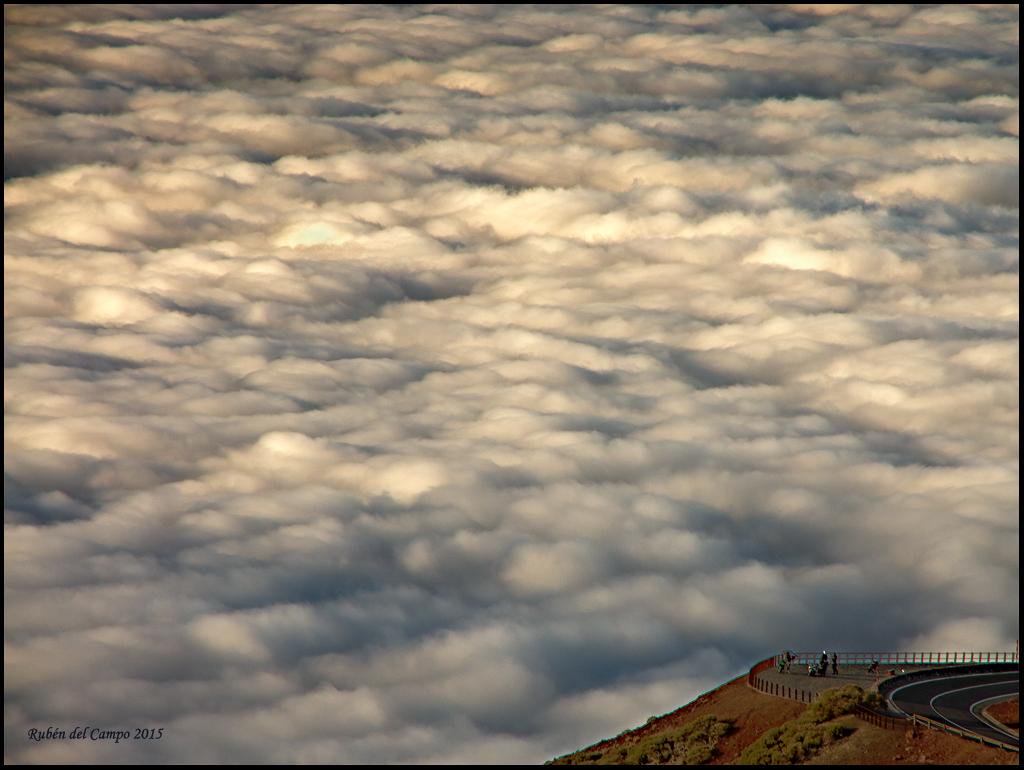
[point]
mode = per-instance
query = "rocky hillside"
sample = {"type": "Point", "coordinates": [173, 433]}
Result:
{"type": "Point", "coordinates": [734, 724]}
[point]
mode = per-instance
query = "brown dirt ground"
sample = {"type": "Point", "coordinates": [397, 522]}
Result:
{"type": "Point", "coordinates": [870, 745]}
{"type": "Point", "coordinates": [752, 713]}
{"type": "Point", "coordinates": [1006, 713]}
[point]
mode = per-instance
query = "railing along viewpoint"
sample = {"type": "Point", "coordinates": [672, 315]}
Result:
{"type": "Point", "coordinates": [935, 659]}
{"type": "Point", "coordinates": [882, 659]}
{"type": "Point", "coordinates": [902, 658]}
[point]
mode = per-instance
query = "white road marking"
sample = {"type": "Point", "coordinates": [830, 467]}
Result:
{"type": "Point", "coordinates": [935, 708]}
{"type": "Point", "coordinates": [891, 695]}
{"type": "Point", "coordinates": [991, 722]}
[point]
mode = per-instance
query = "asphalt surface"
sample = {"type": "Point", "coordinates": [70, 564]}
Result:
{"type": "Point", "coordinates": [958, 700]}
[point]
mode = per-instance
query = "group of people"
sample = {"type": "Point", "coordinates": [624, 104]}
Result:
{"type": "Point", "coordinates": [821, 669]}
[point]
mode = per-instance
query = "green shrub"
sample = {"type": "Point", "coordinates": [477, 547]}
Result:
{"type": "Point", "coordinates": [834, 703]}
{"type": "Point", "coordinates": [801, 738]}
{"type": "Point", "coordinates": [692, 744]}
{"type": "Point", "coordinates": [787, 745]}
{"type": "Point", "coordinates": [838, 732]}
{"type": "Point", "coordinates": [873, 700]}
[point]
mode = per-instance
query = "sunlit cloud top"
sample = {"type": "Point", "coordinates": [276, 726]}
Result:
{"type": "Point", "coordinates": [466, 384]}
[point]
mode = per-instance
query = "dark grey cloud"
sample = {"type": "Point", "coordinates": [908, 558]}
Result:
{"type": "Point", "coordinates": [461, 384]}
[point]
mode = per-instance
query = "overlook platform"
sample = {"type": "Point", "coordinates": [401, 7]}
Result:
{"type": "Point", "coordinates": [798, 677]}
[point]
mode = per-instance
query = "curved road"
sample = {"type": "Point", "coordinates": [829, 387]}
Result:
{"type": "Point", "coordinates": [959, 700]}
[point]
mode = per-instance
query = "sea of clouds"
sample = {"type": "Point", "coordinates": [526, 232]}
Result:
{"type": "Point", "coordinates": [450, 384]}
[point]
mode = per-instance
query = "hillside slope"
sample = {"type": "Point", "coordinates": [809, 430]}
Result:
{"type": "Point", "coordinates": [752, 714]}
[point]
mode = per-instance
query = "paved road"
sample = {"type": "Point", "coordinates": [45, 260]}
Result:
{"type": "Point", "coordinates": [959, 700]}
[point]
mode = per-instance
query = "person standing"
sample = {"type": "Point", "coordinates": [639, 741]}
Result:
{"type": "Point", "coordinates": [835, 664]}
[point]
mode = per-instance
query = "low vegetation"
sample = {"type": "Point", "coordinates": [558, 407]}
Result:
{"type": "Point", "coordinates": [724, 722]}
{"type": "Point", "coordinates": [801, 738]}
{"type": "Point", "coordinates": [692, 744]}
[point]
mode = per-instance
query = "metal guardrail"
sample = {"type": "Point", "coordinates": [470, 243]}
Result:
{"type": "Point", "coordinates": [890, 683]}
{"type": "Point", "coordinates": [883, 658]}
{"type": "Point", "coordinates": [931, 724]}
{"type": "Point", "coordinates": [904, 658]}
{"type": "Point", "coordinates": [780, 690]}
{"type": "Point", "coordinates": [884, 721]}
{"type": "Point", "coordinates": [774, 688]}
{"type": "Point", "coordinates": [872, 717]}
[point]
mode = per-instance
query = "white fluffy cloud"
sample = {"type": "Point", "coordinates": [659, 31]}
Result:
{"type": "Point", "coordinates": [464, 384]}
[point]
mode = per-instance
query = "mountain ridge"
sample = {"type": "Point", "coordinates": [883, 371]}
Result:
{"type": "Point", "coordinates": [757, 718]}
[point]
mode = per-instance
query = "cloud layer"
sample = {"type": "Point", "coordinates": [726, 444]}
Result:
{"type": "Point", "coordinates": [444, 384]}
